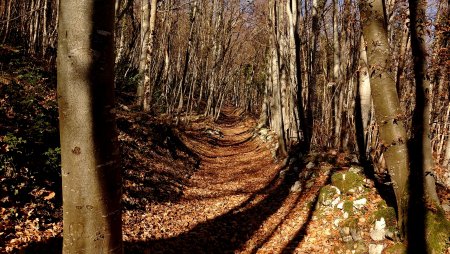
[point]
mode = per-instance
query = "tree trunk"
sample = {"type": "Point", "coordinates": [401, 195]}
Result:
{"type": "Point", "coordinates": [89, 152]}
{"type": "Point", "coordinates": [446, 163]}
{"type": "Point", "coordinates": [338, 93]}
{"type": "Point", "coordinates": [401, 57]}
{"type": "Point", "coordinates": [143, 58]}
{"type": "Point", "coordinates": [364, 100]}
{"type": "Point", "coordinates": [387, 104]}
{"type": "Point", "coordinates": [318, 6]}
{"type": "Point", "coordinates": [148, 87]}
{"type": "Point", "coordinates": [8, 18]}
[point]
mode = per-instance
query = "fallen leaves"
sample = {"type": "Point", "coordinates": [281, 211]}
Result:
{"type": "Point", "coordinates": [185, 192]}
{"type": "Point", "coordinates": [51, 195]}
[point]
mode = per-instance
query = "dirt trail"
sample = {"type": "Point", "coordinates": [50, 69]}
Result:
{"type": "Point", "coordinates": [235, 203]}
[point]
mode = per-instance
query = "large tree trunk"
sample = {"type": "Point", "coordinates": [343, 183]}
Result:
{"type": "Point", "coordinates": [317, 9]}
{"type": "Point", "coordinates": [387, 104]}
{"type": "Point", "coordinates": [90, 172]}
{"type": "Point", "coordinates": [276, 100]}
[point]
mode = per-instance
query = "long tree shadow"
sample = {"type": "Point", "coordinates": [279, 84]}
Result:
{"type": "Point", "coordinates": [228, 232]}
{"type": "Point", "coordinates": [300, 235]}
{"type": "Point", "coordinates": [416, 234]}
{"type": "Point", "coordinates": [156, 163]}
{"type": "Point", "coordinates": [300, 232]}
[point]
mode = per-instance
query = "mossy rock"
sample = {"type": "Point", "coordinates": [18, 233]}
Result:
{"type": "Point", "coordinates": [438, 232]}
{"type": "Point", "coordinates": [351, 222]}
{"type": "Point", "coordinates": [398, 248]}
{"type": "Point", "coordinates": [348, 207]}
{"type": "Point", "coordinates": [346, 181]}
{"type": "Point", "coordinates": [389, 215]}
{"type": "Point", "coordinates": [327, 195]}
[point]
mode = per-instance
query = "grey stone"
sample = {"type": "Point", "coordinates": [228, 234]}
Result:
{"type": "Point", "coordinates": [356, 235]}
{"type": "Point", "coordinates": [360, 203]}
{"type": "Point", "coordinates": [347, 239]}
{"type": "Point", "coordinates": [378, 232]}
{"type": "Point", "coordinates": [376, 248]}
{"type": "Point", "coordinates": [310, 165]}
{"type": "Point", "coordinates": [297, 187]}
{"type": "Point", "coordinates": [356, 169]}
{"type": "Point", "coordinates": [346, 230]}
{"type": "Point", "coordinates": [346, 215]}
{"type": "Point", "coordinates": [335, 202]}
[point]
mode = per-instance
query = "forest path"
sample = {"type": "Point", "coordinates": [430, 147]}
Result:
{"type": "Point", "coordinates": [237, 201]}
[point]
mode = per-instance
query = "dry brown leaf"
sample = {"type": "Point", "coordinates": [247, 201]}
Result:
{"type": "Point", "coordinates": [50, 196]}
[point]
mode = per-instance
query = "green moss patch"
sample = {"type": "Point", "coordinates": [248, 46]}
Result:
{"type": "Point", "coordinates": [389, 215]}
{"type": "Point", "coordinates": [397, 248]}
{"type": "Point", "coordinates": [348, 207]}
{"type": "Point", "coordinates": [438, 232]}
{"type": "Point", "coordinates": [346, 181]}
{"type": "Point", "coordinates": [327, 195]}
{"type": "Point", "coordinates": [351, 222]}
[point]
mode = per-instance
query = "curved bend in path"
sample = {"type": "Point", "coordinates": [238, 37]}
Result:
{"type": "Point", "coordinates": [235, 203]}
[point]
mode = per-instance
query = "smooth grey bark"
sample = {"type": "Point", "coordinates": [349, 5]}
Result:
{"type": "Point", "coordinates": [387, 105]}
{"type": "Point", "coordinates": [364, 89]}
{"type": "Point", "coordinates": [91, 179]}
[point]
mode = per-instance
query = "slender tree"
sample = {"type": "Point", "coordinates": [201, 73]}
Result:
{"type": "Point", "coordinates": [147, 86]}
{"type": "Point", "coordinates": [90, 173]}
{"type": "Point", "coordinates": [386, 102]}
{"type": "Point", "coordinates": [363, 102]}
{"type": "Point", "coordinates": [143, 57]}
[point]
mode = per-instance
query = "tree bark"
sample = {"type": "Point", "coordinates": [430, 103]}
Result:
{"type": "Point", "coordinates": [387, 105]}
{"type": "Point", "coordinates": [148, 87]}
{"type": "Point", "coordinates": [143, 58]}
{"type": "Point", "coordinates": [90, 172]}
{"type": "Point", "coordinates": [364, 101]}
{"type": "Point", "coordinates": [317, 9]}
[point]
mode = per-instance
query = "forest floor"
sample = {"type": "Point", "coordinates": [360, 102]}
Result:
{"type": "Point", "coordinates": [190, 185]}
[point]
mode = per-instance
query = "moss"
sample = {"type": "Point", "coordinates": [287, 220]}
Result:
{"type": "Point", "coordinates": [327, 194]}
{"type": "Point", "coordinates": [351, 222]}
{"type": "Point", "coordinates": [348, 207]}
{"type": "Point", "coordinates": [347, 181]}
{"type": "Point", "coordinates": [389, 215]}
{"type": "Point", "coordinates": [397, 248]}
{"type": "Point", "coordinates": [382, 204]}
{"type": "Point", "coordinates": [438, 232]}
